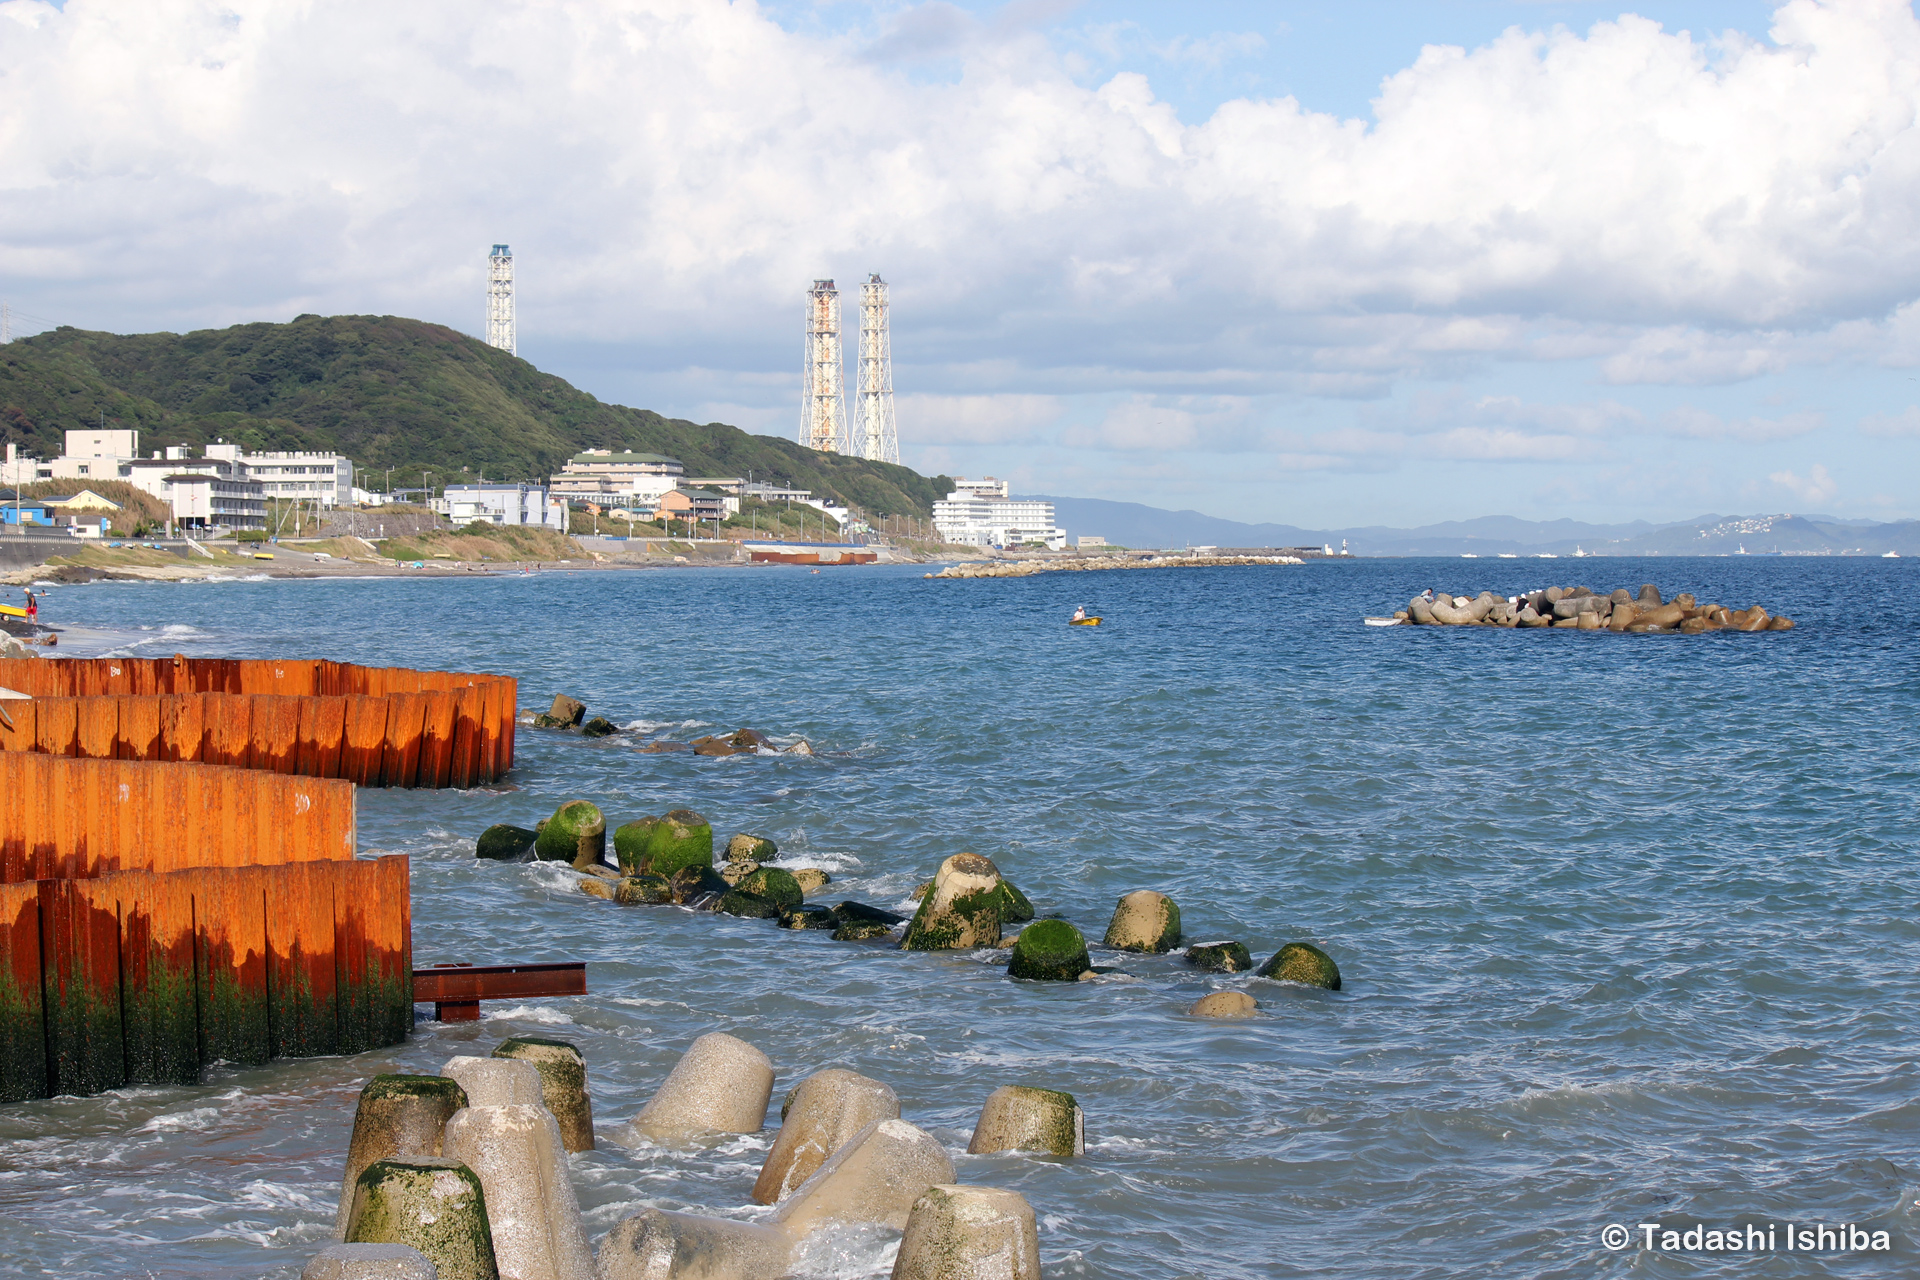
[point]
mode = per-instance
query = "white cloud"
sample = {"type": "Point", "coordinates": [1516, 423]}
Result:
{"type": "Point", "coordinates": [1890, 425]}
{"type": "Point", "coordinates": [1698, 424]}
{"type": "Point", "coordinates": [988, 419]}
{"type": "Point", "coordinates": [1817, 487]}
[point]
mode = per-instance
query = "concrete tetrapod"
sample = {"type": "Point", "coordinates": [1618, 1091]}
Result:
{"type": "Point", "coordinates": [505, 843]}
{"type": "Point", "coordinates": [496, 1082]}
{"type": "Point", "coordinates": [875, 1177]}
{"type": "Point", "coordinates": [1049, 950]}
{"type": "Point", "coordinates": [969, 1233]}
{"type": "Point", "coordinates": [576, 833]}
{"type": "Point", "coordinates": [433, 1205]}
{"type": "Point", "coordinates": [1144, 921]}
{"type": "Point", "coordinates": [961, 910]}
{"type": "Point", "coordinates": [823, 1113]}
{"type": "Point", "coordinates": [399, 1116]}
{"type": "Point", "coordinates": [1302, 962]}
{"type": "Point", "coordinates": [516, 1152]}
{"type": "Point", "coordinates": [369, 1262]}
{"type": "Point", "coordinates": [563, 1084]}
{"type": "Point", "coordinates": [720, 1085]}
{"type": "Point", "coordinates": [654, 1244]}
{"type": "Point", "coordinates": [1220, 957]}
{"type": "Point", "coordinates": [1020, 1118]}
{"type": "Point", "coordinates": [666, 845]}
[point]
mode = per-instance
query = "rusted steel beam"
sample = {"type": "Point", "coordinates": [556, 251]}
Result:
{"type": "Point", "coordinates": [456, 990]}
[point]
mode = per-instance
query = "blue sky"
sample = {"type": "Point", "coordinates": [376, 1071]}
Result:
{"type": "Point", "coordinates": [1322, 264]}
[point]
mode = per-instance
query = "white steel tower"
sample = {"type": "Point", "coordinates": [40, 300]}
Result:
{"type": "Point", "coordinates": [500, 300]}
{"type": "Point", "coordinates": [879, 439]}
{"type": "Point", "coordinates": [823, 409]}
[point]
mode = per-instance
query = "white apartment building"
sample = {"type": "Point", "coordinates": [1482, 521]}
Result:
{"type": "Point", "coordinates": [978, 513]}
{"type": "Point", "coordinates": [203, 492]}
{"type": "Point", "coordinates": [89, 455]}
{"type": "Point", "coordinates": [504, 504]}
{"type": "Point", "coordinates": [600, 474]}
{"type": "Point", "coordinates": [325, 478]}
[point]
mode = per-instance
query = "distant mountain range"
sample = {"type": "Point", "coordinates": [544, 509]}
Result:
{"type": "Point", "coordinates": [1133, 524]}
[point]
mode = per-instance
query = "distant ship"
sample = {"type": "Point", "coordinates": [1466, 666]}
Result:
{"type": "Point", "coordinates": [1742, 551]}
{"type": "Point", "coordinates": [1469, 555]}
{"type": "Point", "coordinates": [1509, 555]}
{"type": "Point", "coordinates": [1545, 555]}
{"type": "Point", "coordinates": [1891, 555]}
{"type": "Point", "coordinates": [1579, 552]}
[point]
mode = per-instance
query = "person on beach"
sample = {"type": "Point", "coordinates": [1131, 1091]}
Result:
{"type": "Point", "coordinates": [33, 609]}
{"type": "Point", "coordinates": [1080, 613]}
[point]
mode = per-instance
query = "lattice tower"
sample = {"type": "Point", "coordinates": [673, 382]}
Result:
{"type": "Point", "coordinates": [823, 409]}
{"type": "Point", "coordinates": [500, 327]}
{"type": "Point", "coordinates": [879, 438]}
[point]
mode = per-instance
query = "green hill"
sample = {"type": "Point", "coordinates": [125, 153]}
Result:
{"type": "Point", "coordinates": [387, 392]}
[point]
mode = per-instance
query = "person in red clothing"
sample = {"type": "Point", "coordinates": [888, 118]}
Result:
{"type": "Point", "coordinates": [33, 608]}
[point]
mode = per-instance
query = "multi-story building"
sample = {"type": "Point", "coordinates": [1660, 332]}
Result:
{"type": "Point", "coordinates": [325, 478]}
{"type": "Point", "coordinates": [204, 492]}
{"type": "Point", "coordinates": [504, 504]}
{"type": "Point", "coordinates": [697, 504]}
{"type": "Point", "coordinates": [978, 513]}
{"type": "Point", "coordinates": [600, 474]}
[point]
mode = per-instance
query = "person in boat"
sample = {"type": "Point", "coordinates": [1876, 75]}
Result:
{"type": "Point", "coordinates": [1080, 613]}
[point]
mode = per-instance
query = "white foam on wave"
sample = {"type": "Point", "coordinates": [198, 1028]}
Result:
{"type": "Point", "coordinates": [846, 1252]}
{"type": "Point", "coordinates": [180, 629]}
{"type": "Point", "coordinates": [818, 861]}
{"type": "Point", "coordinates": [531, 1013]}
{"type": "Point", "coordinates": [182, 1121]}
{"type": "Point", "coordinates": [660, 726]}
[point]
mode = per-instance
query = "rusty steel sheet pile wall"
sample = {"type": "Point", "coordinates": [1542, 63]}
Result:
{"type": "Point", "coordinates": [179, 879]}
{"type": "Point", "coordinates": [375, 726]}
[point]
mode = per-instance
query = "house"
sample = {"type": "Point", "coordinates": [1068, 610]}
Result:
{"type": "Point", "coordinates": [504, 504]}
{"type": "Point", "coordinates": [697, 504]}
{"type": "Point", "coordinates": [85, 500]}
{"type": "Point", "coordinates": [16, 510]}
{"type": "Point", "coordinates": [602, 473]}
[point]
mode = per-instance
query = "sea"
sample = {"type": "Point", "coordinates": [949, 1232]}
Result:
{"type": "Point", "coordinates": [1628, 925]}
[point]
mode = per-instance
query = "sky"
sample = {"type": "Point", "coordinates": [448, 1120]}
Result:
{"type": "Point", "coordinates": [1325, 264]}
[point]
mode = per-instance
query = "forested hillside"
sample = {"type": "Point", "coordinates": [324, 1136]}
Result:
{"type": "Point", "coordinates": [386, 392]}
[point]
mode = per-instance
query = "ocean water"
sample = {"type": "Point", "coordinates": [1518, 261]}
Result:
{"type": "Point", "coordinates": [1628, 924]}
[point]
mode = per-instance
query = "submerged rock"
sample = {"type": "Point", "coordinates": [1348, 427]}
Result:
{"type": "Point", "coordinates": [1049, 951]}
{"type": "Point", "coordinates": [714, 747]}
{"type": "Point", "coordinates": [698, 887]}
{"type": "Point", "coordinates": [568, 711]}
{"type": "Point", "coordinates": [962, 911]}
{"type": "Point", "coordinates": [810, 917]}
{"type": "Point", "coordinates": [860, 922]}
{"type": "Point", "coordinates": [746, 848]}
{"type": "Point", "coordinates": [505, 843]}
{"type": "Point", "coordinates": [735, 872]}
{"type": "Point", "coordinates": [737, 902]}
{"type": "Point", "coordinates": [811, 879]}
{"type": "Point", "coordinates": [1223, 1004]}
{"type": "Point", "coordinates": [775, 885]}
{"type": "Point", "coordinates": [1302, 962]}
{"type": "Point", "coordinates": [1220, 957]}
{"type": "Point", "coordinates": [599, 727]}
{"type": "Point", "coordinates": [665, 746]}
{"type": "Point", "coordinates": [749, 740]}
{"type": "Point", "coordinates": [642, 889]}
{"type": "Point", "coordinates": [575, 834]}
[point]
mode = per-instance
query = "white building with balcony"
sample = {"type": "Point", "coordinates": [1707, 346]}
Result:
{"type": "Point", "coordinates": [979, 514]}
{"type": "Point", "coordinates": [325, 478]}
{"type": "Point", "coordinates": [599, 475]}
{"type": "Point", "coordinates": [502, 504]}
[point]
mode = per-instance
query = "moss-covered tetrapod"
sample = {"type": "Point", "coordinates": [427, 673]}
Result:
{"type": "Point", "coordinates": [1049, 950]}
{"type": "Point", "coordinates": [664, 845]}
{"type": "Point", "coordinates": [504, 843]}
{"type": "Point", "coordinates": [434, 1205]}
{"type": "Point", "coordinates": [576, 834]}
{"type": "Point", "coordinates": [775, 885]}
{"type": "Point", "coordinates": [1302, 962]}
{"type": "Point", "coordinates": [1220, 957]}
{"type": "Point", "coordinates": [563, 1084]}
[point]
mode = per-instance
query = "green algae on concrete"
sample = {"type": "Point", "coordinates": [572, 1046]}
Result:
{"type": "Point", "coordinates": [1220, 957]}
{"type": "Point", "coordinates": [810, 917]}
{"type": "Point", "coordinates": [628, 890]}
{"type": "Point", "coordinates": [563, 1084]}
{"type": "Point", "coordinates": [1014, 907]}
{"type": "Point", "coordinates": [576, 834]}
{"type": "Point", "coordinates": [1144, 920]}
{"type": "Point", "coordinates": [1304, 963]}
{"type": "Point", "coordinates": [1017, 1117]}
{"type": "Point", "coordinates": [665, 845]}
{"type": "Point", "coordinates": [434, 1205]}
{"type": "Point", "coordinates": [399, 1117]}
{"type": "Point", "coordinates": [962, 910]}
{"type": "Point", "coordinates": [775, 885]}
{"type": "Point", "coordinates": [751, 906]}
{"type": "Point", "coordinates": [504, 842]}
{"type": "Point", "coordinates": [1049, 951]}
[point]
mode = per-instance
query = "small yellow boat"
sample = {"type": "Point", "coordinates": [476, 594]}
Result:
{"type": "Point", "coordinates": [1083, 622]}
{"type": "Point", "coordinates": [13, 610]}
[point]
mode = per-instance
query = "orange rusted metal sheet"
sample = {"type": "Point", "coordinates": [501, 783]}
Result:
{"type": "Point", "coordinates": [436, 739]}
{"type": "Point", "coordinates": [323, 729]}
{"type": "Point", "coordinates": [139, 734]}
{"type": "Point", "coordinates": [362, 757]}
{"type": "Point", "coordinates": [80, 986]}
{"type": "Point", "coordinates": [276, 733]}
{"type": "Point", "coordinates": [159, 1011]}
{"type": "Point", "coordinates": [493, 742]}
{"type": "Point", "coordinates": [19, 727]}
{"type": "Point", "coordinates": [181, 726]}
{"type": "Point", "coordinates": [467, 743]}
{"type": "Point", "coordinates": [98, 723]}
{"type": "Point", "coordinates": [23, 1042]}
{"type": "Point", "coordinates": [406, 714]}
{"type": "Point", "coordinates": [57, 726]}
{"type": "Point", "coordinates": [228, 735]}
{"type": "Point", "coordinates": [230, 960]}
{"type": "Point", "coordinates": [302, 1010]}
{"type": "Point", "coordinates": [391, 949]}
